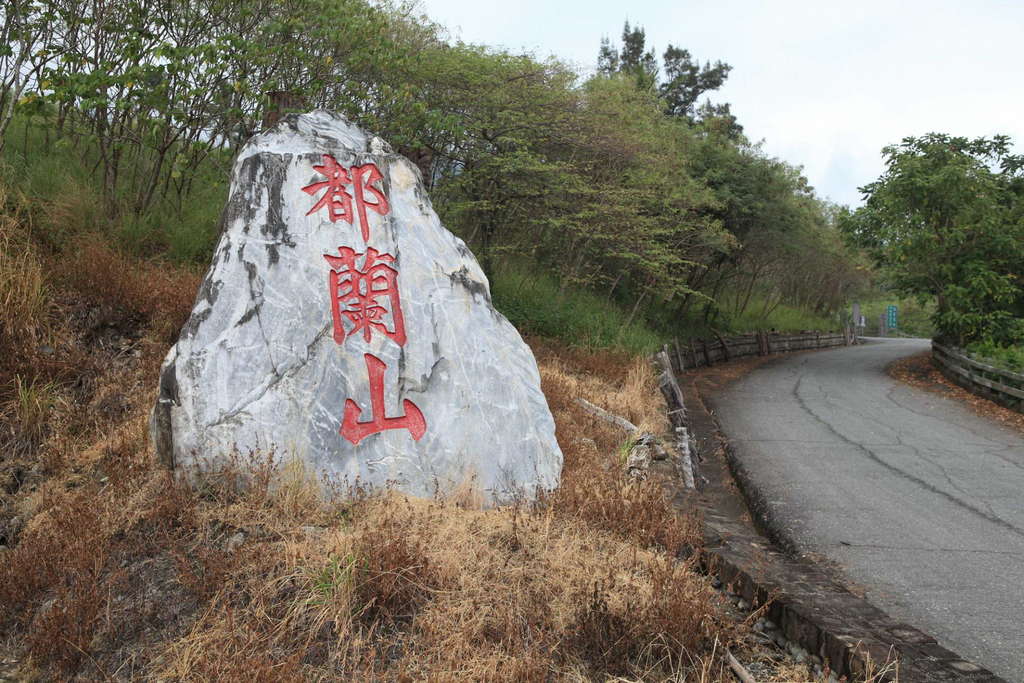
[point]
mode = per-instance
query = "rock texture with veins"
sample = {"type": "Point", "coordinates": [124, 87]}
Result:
{"type": "Point", "coordinates": [258, 365]}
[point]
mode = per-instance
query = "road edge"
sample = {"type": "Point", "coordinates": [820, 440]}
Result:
{"type": "Point", "coordinates": [809, 602]}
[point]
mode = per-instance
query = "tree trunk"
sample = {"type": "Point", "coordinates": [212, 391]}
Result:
{"type": "Point", "coordinates": [632, 313]}
{"type": "Point", "coordinates": [8, 112]}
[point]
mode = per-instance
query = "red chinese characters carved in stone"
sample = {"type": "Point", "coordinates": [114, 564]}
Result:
{"type": "Point", "coordinates": [358, 294]}
{"type": "Point", "coordinates": [337, 199]}
{"type": "Point", "coordinates": [355, 431]}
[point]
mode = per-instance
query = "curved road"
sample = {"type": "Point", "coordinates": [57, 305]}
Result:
{"type": "Point", "coordinates": [914, 496]}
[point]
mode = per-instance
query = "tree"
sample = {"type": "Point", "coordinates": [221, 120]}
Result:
{"type": "Point", "coordinates": [686, 80]}
{"type": "Point", "coordinates": [944, 220]}
{"type": "Point", "coordinates": [706, 217]}
{"type": "Point", "coordinates": [503, 175]}
{"type": "Point", "coordinates": [633, 58]}
{"type": "Point", "coordinates": [157, 87]}
{"type": "Point", "coordinates": [25, 43]}
{"type": "Point", "coordinates": [646, 220]}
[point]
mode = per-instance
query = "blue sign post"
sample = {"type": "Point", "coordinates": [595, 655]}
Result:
{"type": "Point", "coordinates": [890, 314]}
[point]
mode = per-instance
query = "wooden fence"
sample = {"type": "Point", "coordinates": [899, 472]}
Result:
{"type": "Point", "coordinates": [696, 353]}
{"type": "Point", "coordinates": [1002, 386]}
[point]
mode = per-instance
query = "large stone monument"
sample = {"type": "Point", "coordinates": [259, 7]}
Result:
{"type": "Point", "coordinates": [341, 324]}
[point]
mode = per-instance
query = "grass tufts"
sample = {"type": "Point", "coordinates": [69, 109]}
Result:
{"type": "Point", "coordinates": [536, 305]}
{"type": "Point", "coordinates": [27, 413]}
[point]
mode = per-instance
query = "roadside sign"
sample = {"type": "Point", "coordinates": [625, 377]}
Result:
{"type": "Point", "coordinates": [890, 315]}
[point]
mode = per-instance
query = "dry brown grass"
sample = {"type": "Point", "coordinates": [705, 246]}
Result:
{"type": "Point", "coordinates": [121, 569]}
{"type": "Point", "coordinates": [414, 589]}
{"type": "Point", "coordinates": [24, 291]}
{"type": "Point", "coordinates": [275, 583]}
{"type": "Point", "coordinates": [25, 294]}
{"type": "Point", "coordinates": [125, 289]}
{"type": "Point", "coordinates": [593, 488]}
{"type": "Point", "coordinates": [55, 307]}
{"type": "Point", "coordinates": [34, 358]}
{"type": "Point", "coordinates": [114, 570]}
{"type": "Point", "coordinates": [624, 385]}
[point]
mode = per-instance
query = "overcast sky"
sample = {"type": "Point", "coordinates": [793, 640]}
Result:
{"type": "Point", "coordinates": [825, 84]}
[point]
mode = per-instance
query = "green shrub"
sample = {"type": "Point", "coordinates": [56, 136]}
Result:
{"type": "Point", "coordinates": [1007, 357]}
{"type": "Point", "coordinates": [65, 194]}
{"type": "Point", "coordinates": [783, 318]}
{"type": "Point", "coordinates": [532, 302]}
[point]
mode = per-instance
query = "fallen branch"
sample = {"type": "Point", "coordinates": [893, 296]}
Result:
{"type": "Point", "coordinates": [608, 417]}
{"type": "Point", "coordinates": [738, 669]}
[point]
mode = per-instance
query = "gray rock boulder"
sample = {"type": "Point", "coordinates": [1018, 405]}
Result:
{"type": "Point", "coordinates": [341, 324]}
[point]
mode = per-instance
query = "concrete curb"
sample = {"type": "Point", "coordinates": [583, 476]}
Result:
{"type": "Point", "coordinates": [809, 601]}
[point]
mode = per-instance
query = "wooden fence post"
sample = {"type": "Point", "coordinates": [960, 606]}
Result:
{"type": "Point", "coordinates": [725, 347]}
{"type": "Point", "coordinates": [677, 416]}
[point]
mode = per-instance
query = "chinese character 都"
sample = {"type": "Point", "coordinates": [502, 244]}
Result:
{"type": "Point", "coordinates": [336, 197]}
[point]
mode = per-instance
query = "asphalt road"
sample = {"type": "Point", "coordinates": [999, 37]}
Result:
{"type": "Point", "coordinates": [914, 496]}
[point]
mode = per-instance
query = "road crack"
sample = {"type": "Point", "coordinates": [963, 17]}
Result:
{"type": "Point", "coordinates": [986, 515]}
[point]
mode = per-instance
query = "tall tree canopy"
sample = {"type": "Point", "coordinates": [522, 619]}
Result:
{"type": "Point", "coordinates": [685, 80]}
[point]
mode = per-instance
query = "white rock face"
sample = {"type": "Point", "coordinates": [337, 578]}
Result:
{"type": "Point", "coordinates": [259, 365]}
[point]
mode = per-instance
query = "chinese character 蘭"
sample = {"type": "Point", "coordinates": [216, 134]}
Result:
{"type": "Point", "coordinates": [358, 294]}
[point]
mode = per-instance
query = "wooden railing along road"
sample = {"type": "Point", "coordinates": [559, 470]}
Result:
{"type": "Point", "coordinates": [697, 353]}
{"type": "Point", "coordinates": [1002, 386]}
{"type": "Point", "coordinates": [676, 357]}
